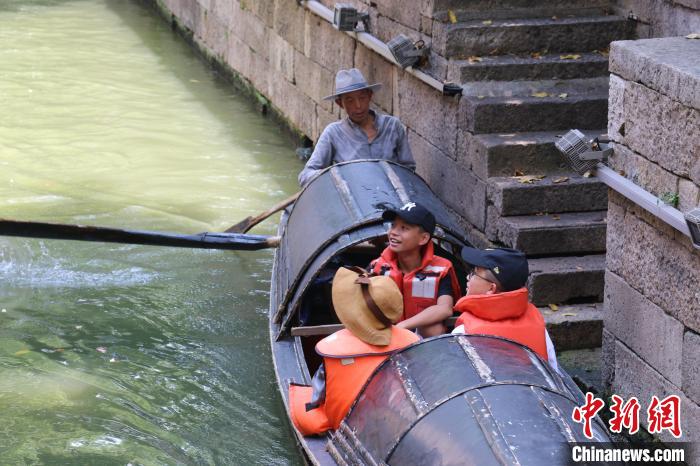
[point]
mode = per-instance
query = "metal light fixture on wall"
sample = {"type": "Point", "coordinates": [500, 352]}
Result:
{"type": "Point", "coordinates": [408, 53]}
{"type": "Point", "coordinates": [346, 17]}
{"type": "Point", "coordinates": [583, 155]}
{"type": "Point", "coordinates": [692, 218]}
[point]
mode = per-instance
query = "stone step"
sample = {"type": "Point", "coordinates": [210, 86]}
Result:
{"type": "Point", "coordinates": [531, 113]}
{"type": "Point", "coordinates": [492, 9]}
{"type": "Point", "coordinates": [467, 13]}
{"type": "Point", "coordinates": [518, 67]}
{"type": "Point", "coordinates": [549, 235]}
{"type": "Point", "coordinates": [523, 195]}
{"type": "Point", "coordinates": [560, 280]}
{"type": "Point", "coordinates": [583, 329]}
{"type": "Point", "coordinates": [526, 35]}
{"type": "Point", "coordinates": [505, 154]}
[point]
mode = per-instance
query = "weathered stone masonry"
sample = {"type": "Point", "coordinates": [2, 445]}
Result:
{"type": "Point", "coordinates": [651, 342]}
{"type": "Point", "coordinates": [466, 148]}
{"type": "Point", "coordinates": [519, 94]}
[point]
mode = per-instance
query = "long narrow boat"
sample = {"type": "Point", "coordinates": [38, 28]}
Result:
{"type": "Point", "coordinates": [473, 399]}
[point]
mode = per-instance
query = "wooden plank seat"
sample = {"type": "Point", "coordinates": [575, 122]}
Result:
{"type": "Point", "coordinates": [314, 330]}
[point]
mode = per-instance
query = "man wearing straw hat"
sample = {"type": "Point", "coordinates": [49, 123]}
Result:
{"type": "Point", "coordinates": [364, 134]}
{"type": "Point", "coordinates": [368, 307]}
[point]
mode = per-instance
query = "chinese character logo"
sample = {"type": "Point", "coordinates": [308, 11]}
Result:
{"type": "Point", "coordinates": [625, 415]}
{"type": "Point", "coordinates": [586, 412]}
{"type": "Point", "coordinates": [661, 415]}
{"type": "Point", "coordinates": [665, 415]}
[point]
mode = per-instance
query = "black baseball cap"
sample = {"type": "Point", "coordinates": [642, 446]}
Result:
{"type": "Point", "coordinates": [509, 266]}
{"type": "Point", "coordinates": [412, 213]}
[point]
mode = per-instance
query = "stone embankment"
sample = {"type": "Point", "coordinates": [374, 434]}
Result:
{"type": "Point", "coordinates": [651, 344]}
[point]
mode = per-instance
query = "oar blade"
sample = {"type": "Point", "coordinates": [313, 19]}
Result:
{"type": "Point", "coordinates": [241, 227]}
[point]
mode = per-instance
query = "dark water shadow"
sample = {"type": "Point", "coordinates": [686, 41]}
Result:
{"type": "Point", "coordinates": [170, 46]}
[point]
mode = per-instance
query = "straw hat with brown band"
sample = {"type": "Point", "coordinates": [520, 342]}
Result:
{"type": "Point", "coordinates": [367, 305]}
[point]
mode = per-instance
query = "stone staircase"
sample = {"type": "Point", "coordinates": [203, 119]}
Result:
{"type": "Point", "coordinates": [532, 70]}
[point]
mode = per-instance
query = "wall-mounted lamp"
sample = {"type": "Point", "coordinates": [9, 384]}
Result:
{"type": "Point", "coordinates": [583, 155]}
{"type": "Point", "coordinates": [408, 53]}
{"type": "Point", "coordinates": [346, 17]}
{"type": "Point", "coordinates": [692, 218]}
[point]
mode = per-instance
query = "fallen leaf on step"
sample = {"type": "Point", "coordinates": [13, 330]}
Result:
{"type": "Point", "coordinates": [553, 307]}
{"type": "Point", "coordinates": [539, 94]}
{"type": "Point", "coordinates": [481, 97]}
{"type": "Point", "coordinates": [519, 173]}
{"type": "Point", "coordinates": [578, 267]}
{"type": "Point", "coordinates": [693, 36]}
{"type": "Point", "coordinates": [569, 314]}
{"type": "Point", "coordinates": [555, 217]}
{"type": "Point", "coordinates": [528, 179]}
{"type": "Point", "coordinates": [539, 214]}
{"type": "Point", "coordinates": [536, 55]}
{"type": "Point", "coordinates": [452, 16]}
{"type": "Point", "coordinates": [622, 172]}
{"type": "Point", "coordinates": [588, 174]}
{"type": "Point", "coordinates": [605, 52]}
{"type": "Point", "coordinates": [573, 56]}
{"type": "Point", "coordinates": [474, 59]}
{"type": "Point", "coordinates": [487, 22]}
{"type": "Point", "coordinates": [554, 18]}
{"type": "Point", "coordinates": [561, 179]}
{"type": "Point", "coordinates": [563, 95]}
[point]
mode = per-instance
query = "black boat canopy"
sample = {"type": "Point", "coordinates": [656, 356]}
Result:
{"type": "Point", "coordinates": [342, 207]}
{"type": "Point", "coordinates": [463, 400]}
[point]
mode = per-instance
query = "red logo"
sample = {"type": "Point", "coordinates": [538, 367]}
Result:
{"type": "Point", "coordinates": [586, 412]}
{"type": "Point", "coordinates": [665, 415]}
{"type": "Point", "coordinates": [661, 415]}
{"type": "Point", "coordinates": [625, 415]}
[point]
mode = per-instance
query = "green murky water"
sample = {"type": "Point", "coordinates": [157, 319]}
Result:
{"type": "Point", "coordinates": [121, 354]}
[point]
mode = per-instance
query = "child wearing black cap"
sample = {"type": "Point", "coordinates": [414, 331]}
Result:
{"type": "Point", "coordinates": [497, 303]}
{"type": "Point", "coordinates": [428, 282]}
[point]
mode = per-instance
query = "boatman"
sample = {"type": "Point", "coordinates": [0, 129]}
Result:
{"type": "Point", "coordinates": [364, 134]}
{"type": "Point", "coordinates": [497, 301]}
{"type": "Point", "coordinates": [428, 282]}
{"type": "Point", "coordinates": [367, 306]}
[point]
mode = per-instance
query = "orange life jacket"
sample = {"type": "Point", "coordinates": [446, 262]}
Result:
{"type": "Point", "coordinates": [349, 362]}
{"type": "Point", "coordinates": [507, 315]}
{"type": "Point", "coordinates": [419, 287]}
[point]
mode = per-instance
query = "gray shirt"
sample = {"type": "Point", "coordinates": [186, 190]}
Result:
{"type": "Point", "coordinates": [343, 141]}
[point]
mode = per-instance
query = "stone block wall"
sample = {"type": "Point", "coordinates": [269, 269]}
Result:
{"type": "Point", "coordinates": [661, 18]}
{"type": "Point", "coordinates": [651, 343]}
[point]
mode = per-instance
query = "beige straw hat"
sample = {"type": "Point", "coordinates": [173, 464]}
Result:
{"type": "Point", "coordinates": [367, 313]}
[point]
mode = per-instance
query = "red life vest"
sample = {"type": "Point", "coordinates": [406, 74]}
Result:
{"type": "Point", "coordinates": [419, 287]}
{"type": "Point", "coordinates": [349, 362]}
{"type": "Point", "coordinates": [507, 315]}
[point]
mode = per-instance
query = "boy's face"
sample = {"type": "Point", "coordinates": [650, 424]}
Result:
{"type": "Point", "coordinates": [405, 237]}
{"type": "Point", "coordinates": [477, 284]}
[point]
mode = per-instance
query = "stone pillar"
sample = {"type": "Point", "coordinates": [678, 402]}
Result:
{"type": "Point", "coordinates": [651, 343]}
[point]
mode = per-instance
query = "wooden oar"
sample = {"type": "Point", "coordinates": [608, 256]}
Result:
{"type": "Point", "coordinates": [154, 238]}
{"type": "Point", "coordinates": [249, 222]}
